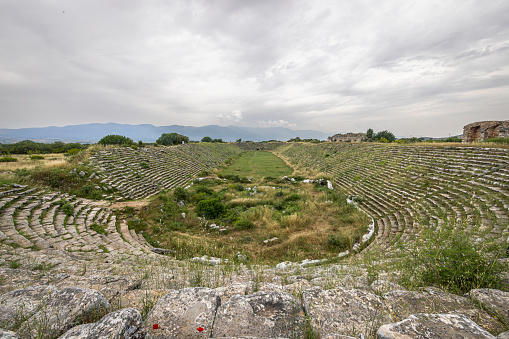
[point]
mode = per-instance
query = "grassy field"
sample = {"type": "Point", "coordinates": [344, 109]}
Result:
{"type": "Point", "coordinates": [223, 218]}
{"type": "Point", "coordinates": [24, 161]}
{"type": "Point", "coordinates": [259, 164]}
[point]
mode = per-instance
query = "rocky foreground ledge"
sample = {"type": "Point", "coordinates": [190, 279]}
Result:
{"type": "Point", "coordinates": [64, 305]}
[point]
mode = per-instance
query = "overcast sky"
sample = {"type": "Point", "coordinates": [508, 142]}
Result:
{"type": "Point", "coordinates": [420, 68]}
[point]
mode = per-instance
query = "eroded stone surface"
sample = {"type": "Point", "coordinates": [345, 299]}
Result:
{"type": "Point", "coordinates": [433, 326]}
{"type": "Point", "coordinates": [124, 323]}
{"type": "Point", "coordinates": [180, 312]}
{"type": "Point", "coordinates": [495, 301]}
{"type": "Point", "coordinates": [382, 286]}
{"type": "Point", "coordinates": [19, 305]}
{"type": "Point", "coordinates": [432, 300]}
{"type": "Point", "coordinates": [346, 312]}
{"type": "Point", "coordinates": [262, 314]}
{"type": "Point", "coordinates": [63, 309]}
{"type": "Point", "coordinates": [8, 335]}
{"type": "Point", "coordinates": [479, 131]}
{"type": "Point", "coordinates": [226, 292]}
{"type": "Point", "coordinates": [504, 335]}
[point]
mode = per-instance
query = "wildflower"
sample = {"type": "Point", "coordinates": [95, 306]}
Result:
{"type": "Point", "coordinates": [155, 326]}
{"type": "Point", "coordinates": [200, 329]}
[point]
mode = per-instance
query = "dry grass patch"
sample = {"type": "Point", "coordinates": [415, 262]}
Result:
{"type": "Point", "coordinates": [24, 161]}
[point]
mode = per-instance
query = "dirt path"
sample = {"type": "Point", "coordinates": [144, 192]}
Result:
{"type": "Point", "coordinates": [138, 204]}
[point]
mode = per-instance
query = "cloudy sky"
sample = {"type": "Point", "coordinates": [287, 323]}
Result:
{"type": "Point", "coordinates": [413, 67]}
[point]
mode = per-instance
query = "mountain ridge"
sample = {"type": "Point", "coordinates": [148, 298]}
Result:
{"type": "Point", "coordinates": [93, 132]}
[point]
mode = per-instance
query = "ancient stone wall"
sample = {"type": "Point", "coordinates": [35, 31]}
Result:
{"type": "Point", "coordinates": [347, 137]}
{"type": "Point", "coordinates": [479, 131]}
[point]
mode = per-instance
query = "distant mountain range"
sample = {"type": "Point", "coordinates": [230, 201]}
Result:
{"type": "Point", "coordinates": [91, 133]}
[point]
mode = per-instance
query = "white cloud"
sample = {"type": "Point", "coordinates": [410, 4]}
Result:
{"type": "Point", "coordinates": [234, 117]}
{"type": "Point", "coordinates": [276, 123]}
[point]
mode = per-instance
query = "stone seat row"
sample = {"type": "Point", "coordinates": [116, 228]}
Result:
{"type": "Point", "coordinates": [36, 220]}
{"type": "Point", "coordinates": [400, 186]}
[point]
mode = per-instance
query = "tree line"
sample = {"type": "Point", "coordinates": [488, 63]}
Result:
{"type": "Point", "coordinates": [32, 147]}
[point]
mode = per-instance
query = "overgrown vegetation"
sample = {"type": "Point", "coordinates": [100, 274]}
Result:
{"type": "Point", "coordinates": [168, 139]}
{"type": "Point", "coordinates": [447, 257]}
{"type": "Point", "coordinates": [497, 140]}
{"type": "Point", "coordinates": [223, 218]}
{"type": "Point", "coordinates": [32, 147]}
{"type": "Point", "coordinates": [115, 139]}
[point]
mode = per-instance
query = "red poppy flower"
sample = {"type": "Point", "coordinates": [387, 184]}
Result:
{"type": "Point", "coordinates": [155, 326]}
{"type": "Point", "coordinates": [200, 329]}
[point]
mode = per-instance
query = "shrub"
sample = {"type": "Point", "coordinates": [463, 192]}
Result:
{"type": "Point", "coordinates": [388, 136]}
{"type": "Point", "coordinates": [449, 259]}
{"type": "Point", "coordinates": [339, 242]}
{"type": "Point", "coordinates": [453, 139]}
{"type": "Point", "coordinates": [169, 139]}
{"type": "Point", "coordinates": [129, 211]}
{"type": "Point", "coordinates": [68, 209]}
{"type": "Point", "coordinates": [244, 224]}
{"type": "Point", "coordinates": [292, 197]}
{"type": "Point", "coordinates": [98, 228]}
{"type": "Point", "coordinates": [36, 157]}
{"type": "Point", "coordinates": [137, 224]}
{"type": "Point", "coordinates": [89, 191]}
{"type": "Point", "coordinates": [8, 159]}
{"type": "Point", "coordinates": [115, 139]}
{"type": "Point", "coordinates": [210, 208]}
{"type": "Point", "coordinates": [144, 165]}
{"type": "Point", "coordinates": [180, 194]}
{"type": "Point", "coordinates": [73, 151]}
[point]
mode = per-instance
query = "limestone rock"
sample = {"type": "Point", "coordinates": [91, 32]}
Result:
{"type": "Point", "coordinates": [226, 292]}
{"type": "Point", "coordinates": [342, 311]}
{"type": "Point", "coordinates": [19, 305]}
{"type": "Point", "coordinates": [382, 286]}
{"type": "Point", "coordinates": [297, 287]}
{"type": "Point", "coordinates": [8, 335]}
{"type": "Point", "coordinates": [180, 312]}
{"type": "Point", "coordinates": [495, 301]}
{"type": "Point", "coordinates": [63, 309]}
{"type": "Point", "coordinates": [504, 335]}
{"type": "Point", "coordinates": [433, 326]}
{"type": "Point", "coordinates": [141, 299]}
{"type": "Point", "coordinates": [261, 314]}
{"type": "Point", "coordinates": [433, 300]}
{"type": "Point", "coordinates": [109, 285]}
{"type": "Point", "coordinates": [161, 250]}
{"type": "Point", "coordinates": [124, 323]}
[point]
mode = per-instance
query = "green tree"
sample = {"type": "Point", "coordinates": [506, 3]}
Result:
{"type": "Point", "coordinates": [386, 135]}
{"type": "Point", "coordinates": [369, 134]}
{"type": "Point", "coordinates": [115, 139]}
{"type": "Point", "coordinates": [169, 139]}
{"type": "Point", "coordinates": [206, 139]}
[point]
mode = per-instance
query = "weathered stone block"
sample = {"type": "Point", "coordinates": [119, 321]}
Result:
{"type": "Point", "coordinates": [181, 312]}
{"type": "Point", "coordinates": [124, 323]}
{"type": "Point", "coordinates": [261, 314]}
{"type": "Point", "coordinates": [433, 326]}
{"type": "Point", "coordinates": [343, 311]}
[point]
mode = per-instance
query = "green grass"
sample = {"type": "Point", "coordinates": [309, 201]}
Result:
{"type": "Point", "coordinates": [258, 164]}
